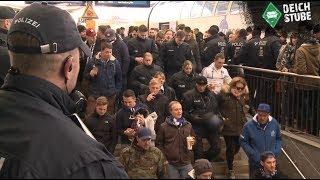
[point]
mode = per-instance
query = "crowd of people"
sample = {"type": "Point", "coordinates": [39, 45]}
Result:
{"type": "Point", "coordinates": [155, 95]}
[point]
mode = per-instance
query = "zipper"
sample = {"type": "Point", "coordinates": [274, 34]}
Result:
{"type": "Point", "coordinates": [179, 144]}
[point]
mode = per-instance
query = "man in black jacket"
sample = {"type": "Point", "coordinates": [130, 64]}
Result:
{"type": "Point", "coordinates": [269, 168]}
{"type": "Point", "coordinates": [174, 53]}
{"type": "Point", "coordinates": [156, 102]}
{"type": "Point", "coordinates": [142, 74]}
{"type": "Point", "coordinates": [124, 117]}
{"type": "Point", "coordinates": [6, 16]}
{"type": "Point", "coordinates": [164, 88]}
{"type": "Point", "coordinates": [199, 104]}
{"type": "Point", "coordinates": [102, 125]}
{"type": "Point", "coordinates": [50, 142]}
{"type": "Point", "coordinates": [140, 45]}
{"type": "Point", "coordinates": [215, 44]}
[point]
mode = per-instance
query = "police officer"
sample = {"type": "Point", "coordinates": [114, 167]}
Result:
{"type": "Point", "coordinates": [214, 45]}
{"type": "Point", "coordinates": [200, 104]}
{"type": "Point", "coordinates": [140, 45]}
{"type": "Point", "coordinates": [174, 53]}
{"type": "Point", "coordinates": [237, 46]}
{"type": "Point", "coordinates": [6, 16]}
{"type": "Point", "coordinates": [233, 51]}
{"type": "Point", "coordinates": [50, 142]}
{"type": "Point", "coordinates": [183, 80]}
{"type": "Point", "coordinates": [194, 47]}
{"type": "Point", "coordinates": [248, 55]}
{"type": "Point", "coordinates": [142, 74]}
{"type": "Point", "coordinates": [269, 47]}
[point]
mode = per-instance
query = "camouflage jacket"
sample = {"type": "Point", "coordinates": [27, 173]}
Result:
{"type": "Point", "coordinates": [143, 164]}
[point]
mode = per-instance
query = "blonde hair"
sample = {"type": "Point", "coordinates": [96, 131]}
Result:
{"type": "Point", "coordinates": [154, 81]}
{"type": "Point", "coordinates": [173, 103]}
{"type": "Point", "coordinates": [101, 101]}
{"type": "Point", "coordinates": [186, 63]}
{"type": "Point", "coordinates": [236, 80]}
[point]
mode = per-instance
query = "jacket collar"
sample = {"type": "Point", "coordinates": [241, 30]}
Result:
{"type": "Point", "coordinates": [255, 118]}
{"type": "Point", "coordinates": [170, 121]}
{"type": "Point", "coordinates": [40, 89]}
{"type": "Point", "coordinates": [4, 31]}
{"type": "Point", "coordinates": [98, 57]}
{"type": "Point", "coordinates": [257, 123]}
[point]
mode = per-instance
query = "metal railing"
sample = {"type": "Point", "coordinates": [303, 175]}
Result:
{"type": "Point", "coordinates": [294, 99]}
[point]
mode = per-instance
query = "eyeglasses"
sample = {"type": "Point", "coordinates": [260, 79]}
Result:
{"type": "Point", "coordinates": [240, 88]}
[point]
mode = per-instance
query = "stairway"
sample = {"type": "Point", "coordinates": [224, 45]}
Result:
{"type": "Point", "coordinates": [241, 166]}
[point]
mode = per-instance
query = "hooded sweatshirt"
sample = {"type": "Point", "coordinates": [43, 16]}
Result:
{"type": "Point", "coordinates": [255, 140]}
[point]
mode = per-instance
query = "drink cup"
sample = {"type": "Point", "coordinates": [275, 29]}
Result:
{"type": "Point", "coordinates": [189, 142]}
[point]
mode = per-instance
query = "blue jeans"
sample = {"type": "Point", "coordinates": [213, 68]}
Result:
{"type": "Point", "coordinates": [178, 172]}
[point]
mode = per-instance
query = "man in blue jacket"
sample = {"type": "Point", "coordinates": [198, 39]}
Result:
{"type": "Point", "coordinates": [260, 134]}
{"type": "Point", "coordinates": [105, 78]}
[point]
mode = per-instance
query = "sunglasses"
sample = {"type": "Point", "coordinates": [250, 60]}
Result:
{"type": "Point", "coordinates": [240, 88]}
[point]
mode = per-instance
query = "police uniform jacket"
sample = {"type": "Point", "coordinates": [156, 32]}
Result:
{"type": "Point", "coordinates": [268, 52]}
{"type": "Point", "coordinates": [197, 104]}
{"type": "Point", "coordinates": [215, 45]}
{"type": "Point", "coordinates": [172, 56]}
{"type": "Point", "coordinates": [181, 83]}
{"type": "Point", "coordinates": [235, 50]}
{"type": "Point", "coordinates": [248, 55]}
{"type": "Point", "coordinates": [4, 55]}
{"type": "Point", "coordinates": [137, 47]}
{"type": "Point", "coordinates": [141, 76]}
{"type": "Point", "coordinates": [39, 140]}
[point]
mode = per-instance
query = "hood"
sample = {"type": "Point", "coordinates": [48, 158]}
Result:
{"type": "Point", "coordinates": [313, 49]}
{"type": "Point", "coordinates": [255, 118]}
{"type": "Point", "coordinates": [98, 57]}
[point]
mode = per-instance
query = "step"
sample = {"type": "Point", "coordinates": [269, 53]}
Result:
{"type": "Point", "coordinates": [239, 156]}
{"type": "Point", "coordinates": [238, 176]}
{"type": "Point", "coordinates": [240, 167]}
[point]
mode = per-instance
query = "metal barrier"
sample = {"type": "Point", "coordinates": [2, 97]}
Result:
{"type": "Point", "coordinates": [294, 99]}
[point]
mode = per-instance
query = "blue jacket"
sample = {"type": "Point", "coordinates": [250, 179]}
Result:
{"type": "Point", "coordinates": [254, 140]}
{"type": "Point", "coordinates": [108, 81]}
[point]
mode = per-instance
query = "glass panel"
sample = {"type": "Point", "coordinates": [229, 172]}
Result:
{"type": "Point", "coordinates": [236, 7]}
{"type": "Point", "coordinates": [208, 8]}
{"type": "Point", "coordinates": [222, 8]}
{"type": "Point", "coordinates": [197, 9]}
{"type": "Point", "coordinates": [185, 13]}
{"type": "Point", "coordinates": [172, 10]}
